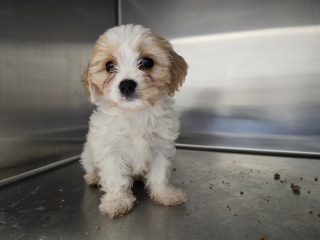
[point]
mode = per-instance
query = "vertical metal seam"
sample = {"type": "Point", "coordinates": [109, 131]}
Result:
{"type": "Point", "coordinates": [118, 13]}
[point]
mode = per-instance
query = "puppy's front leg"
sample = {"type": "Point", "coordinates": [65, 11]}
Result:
{"type": "Point", "coordinates": [161, 190]}
{"type": "Point", "coordinates": [116, 182]}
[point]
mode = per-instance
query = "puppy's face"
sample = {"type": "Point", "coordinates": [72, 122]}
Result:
{"type": "Point", "coordinates": [132, 68]}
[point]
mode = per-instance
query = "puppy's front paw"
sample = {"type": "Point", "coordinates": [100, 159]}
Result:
{"type": "Point", "coordinates": [116, 206]}
{"type": "Point", "coordinates": [92, 178]}
{"type": "Point", "coordinates": [170, 196]}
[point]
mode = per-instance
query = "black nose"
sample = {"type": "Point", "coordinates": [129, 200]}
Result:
{"type": "Point", "coordinates": [127, 87]}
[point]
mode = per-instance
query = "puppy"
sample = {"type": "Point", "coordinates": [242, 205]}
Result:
{"type": "Point", "coordinates": [131, 76]}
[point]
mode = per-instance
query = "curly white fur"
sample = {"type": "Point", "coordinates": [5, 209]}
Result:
{"type": "Point", "coordinates": [123, 144]}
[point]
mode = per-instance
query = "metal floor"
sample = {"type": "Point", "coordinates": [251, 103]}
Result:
{"type": "Point", "coordinates": [57, 204]}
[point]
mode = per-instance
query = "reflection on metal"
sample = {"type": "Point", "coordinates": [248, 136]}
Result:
{"type": "Point", "coordinates": [44, 47]}
{"type": "Point", "coordinates": [253, 81]}
{"type": "Point", "coordinates": [247, 34]}
{"type": "Point", "coordinates": [37, 170]}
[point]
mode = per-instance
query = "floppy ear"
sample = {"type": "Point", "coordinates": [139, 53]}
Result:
{"type": "Point", "coordinates": [178, 73]}
{"type": "Point", "coordinates": [90, 87]}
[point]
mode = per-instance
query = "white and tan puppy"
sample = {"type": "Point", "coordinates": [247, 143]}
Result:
{"type": "Point", "coordinates": [131, 76]}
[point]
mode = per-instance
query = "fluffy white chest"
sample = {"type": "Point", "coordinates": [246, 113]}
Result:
{"type": "Point", "coordinates": [135, 136]}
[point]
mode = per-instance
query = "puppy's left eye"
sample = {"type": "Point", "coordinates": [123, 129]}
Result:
{"type": "Point", "coordinates": [146, 63]}
{"type": "Point", "coordinates": [109, 66]}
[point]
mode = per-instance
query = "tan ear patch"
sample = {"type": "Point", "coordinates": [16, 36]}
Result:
{"type": "Point", "coordinates": [179, 67]}
{"type": "Point", "coordinates": [91, 88]}
{"type": "Point", "coordinates": [178, 73]}
{"type": "Point", "coordinates": [84, 80]}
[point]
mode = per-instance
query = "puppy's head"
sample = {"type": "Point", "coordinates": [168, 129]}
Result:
{"type": "Point", "coordinates": [132, 68]}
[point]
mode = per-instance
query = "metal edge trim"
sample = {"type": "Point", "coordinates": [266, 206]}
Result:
{"type": "Point", "coordinates": [37, 170]}
{"type": "Point", "coordinates": [178, 146]}
{"type": "Point", "coordinates": [248, 150]}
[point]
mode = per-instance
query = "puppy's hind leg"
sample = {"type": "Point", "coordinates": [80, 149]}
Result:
{"type": "Point", "coordinates": [91, 175]}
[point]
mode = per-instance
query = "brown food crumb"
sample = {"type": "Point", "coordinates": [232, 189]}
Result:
{"type": "Point", "coordinates": [281, 181]}
{"type": "Point", "coordinates": [174, 169]}
{"type": "Point", "coordinates": [227, 206]}
{"type": "Point", "coordinates": [210, 187]}
{"type": "Point", "coordinates": [87, 233]}
{"type": "Point", "coordinates": [187, 214]}
{"type": "Point", "coordinates": [301, 178]}
{"type": "Point", "coordinates": [222, 181]}
{"type": "Point", "coordinates": [241, 193]}
{"type": "Point", "coordinates": [310, 212]}
{"type": "Point", "coordinates": [318, 214]}
{"type": "Point", "coordinates": [98, 228]}
{"type": "Point", "coordinates": [309, 192]}
{"type": "Point", "coordinates": [277, 176]}
{"type": "Point", "coordinates": [235, 214]}
{"type": "Point", "coordinates": [316, 179]}
{"type": "Point", "coordinates": [295, 187]}
{"type": "Point", "coordinates": [62, 200]}
{"type": "Point", "coordinates": [263, 238]}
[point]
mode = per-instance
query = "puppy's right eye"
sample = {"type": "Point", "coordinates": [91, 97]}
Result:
{"type": "Point", "coordinates": [109, 66]}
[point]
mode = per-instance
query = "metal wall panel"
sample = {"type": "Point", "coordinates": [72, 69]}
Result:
{"type": "Point", "coordinates": [254, 77]}
{"type": "Point", "coordinates": [44, 47]}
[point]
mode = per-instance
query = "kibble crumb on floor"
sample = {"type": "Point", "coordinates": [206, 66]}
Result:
{"type": "Point", "coordinates": [263, 238]}
{"type": "Point", "coordinates": [295, 187]}
{"type": "Point", "coordinates": [277, 176]}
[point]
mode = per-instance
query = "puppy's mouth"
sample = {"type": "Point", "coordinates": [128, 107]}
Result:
{"type": "Point", "coordinates": [129, 98]}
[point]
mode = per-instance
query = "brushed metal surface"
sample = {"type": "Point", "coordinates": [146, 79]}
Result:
{"type": "Point", "coordinates": [58, 204]}
{"type": "Point", "coordinates": [44, 47]}
{"type": "Point", "coordinates": [254, 76]}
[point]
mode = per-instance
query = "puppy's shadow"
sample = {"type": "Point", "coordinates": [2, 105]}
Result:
{"type": "Point", "coordinates": [140, 192]}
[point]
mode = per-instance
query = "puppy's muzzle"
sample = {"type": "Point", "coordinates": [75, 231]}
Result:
{"type": "Point", "coordinates": [127, 87]}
